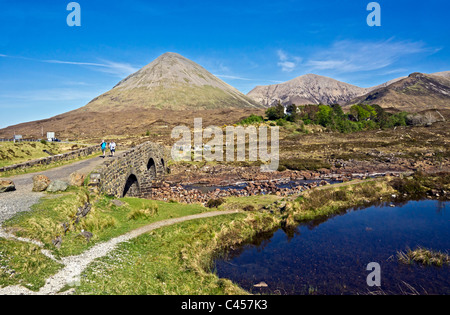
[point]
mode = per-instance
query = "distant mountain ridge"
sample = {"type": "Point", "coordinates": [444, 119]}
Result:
{"type": "Point", "coordinates": [306, 89]}
{"type": "Point", "coordinates": [413, 93]}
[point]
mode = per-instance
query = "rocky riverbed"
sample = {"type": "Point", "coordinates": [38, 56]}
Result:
{"type": "Point", "coordinates": [194, 184]}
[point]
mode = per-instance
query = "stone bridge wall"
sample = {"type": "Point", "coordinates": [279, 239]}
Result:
{"type": "Point", "coordinates": [133, 172]}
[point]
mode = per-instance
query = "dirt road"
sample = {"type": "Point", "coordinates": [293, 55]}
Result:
{"type": "Point", "coordinates": [23, 198]}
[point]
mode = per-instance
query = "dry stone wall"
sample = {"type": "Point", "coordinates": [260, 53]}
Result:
{"type": "Point", "coordinates": [52, 159]}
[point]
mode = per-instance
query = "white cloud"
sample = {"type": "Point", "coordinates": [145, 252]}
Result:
{"type": "Point", "coordinates": [115, 68]}
{"type": "Point", "coordinates": [286, 62]}
{"type": "Point", "coordinates": [232, 77]}
{"type": "Point", "coordinates": [282, 55]}
{"type": "Point", "coordinates": [352, 56]}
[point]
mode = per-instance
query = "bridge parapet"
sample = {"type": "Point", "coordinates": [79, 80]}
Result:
{"type": "Point", "coordinates": [132, 172]}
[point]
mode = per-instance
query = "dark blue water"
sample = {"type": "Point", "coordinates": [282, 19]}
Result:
{"type": "Point", "coordinates": [331, 257]}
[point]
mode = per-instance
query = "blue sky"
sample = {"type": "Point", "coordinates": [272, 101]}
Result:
{"type": "Point", "coordinates": [48, 68]}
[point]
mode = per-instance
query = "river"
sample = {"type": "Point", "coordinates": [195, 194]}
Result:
{"type": "Point", "coordinates": [331, 257]}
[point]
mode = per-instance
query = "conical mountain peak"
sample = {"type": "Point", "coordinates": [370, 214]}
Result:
{"type": "Point", "coordinates": [174, 82]}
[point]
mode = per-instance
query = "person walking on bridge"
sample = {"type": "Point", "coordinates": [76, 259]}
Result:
{"type": "Point", "coordinates": [103, 146]}
{"type": "Point", "coordinates": [112, 147]}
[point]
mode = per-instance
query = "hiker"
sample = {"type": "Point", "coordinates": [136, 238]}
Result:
{"type": "Point", "coordinates": [112, 147]}
{"type": "Point", "coordinates": [103, 146]}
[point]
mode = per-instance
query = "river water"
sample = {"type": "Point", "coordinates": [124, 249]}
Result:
{"type": "Point", "coordinates": [331, 257]}
{"type": "Point", "coordinates": [289, 184]}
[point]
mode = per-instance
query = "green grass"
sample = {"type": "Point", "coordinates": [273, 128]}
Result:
{"type": "Point", "coordinates": [24, 264]}
{"type": "Point", "coordinates": [175, 260]}
{"type": "Point", "coordinates": [252, 119]}
{"type": "Point", "coordinates": [258, 202]}
{"type": "Point", "coordinates": [326, 201]}
{"type": "Point", "coordinates": [170, 260]}
{"type": "Point", "coordinates": [105, 220]}
{"type": "Point", "coordinates": [15, 153]}
{"type": "Point", "coordinates": [154, 264]}
{"type": "Point", "coordinates": [419, 184]}
{"type": "Point", "coordinates": [44, 223]}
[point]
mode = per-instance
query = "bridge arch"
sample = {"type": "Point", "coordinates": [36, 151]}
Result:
{"type": "Point", "coordinates": [132, 173]}
{"type": "Point", "coordinates": [163, 164]}
{"type": "Point", "coordinates": [151, 167]}
{"type": "Point", "coordinates": [131, 187]}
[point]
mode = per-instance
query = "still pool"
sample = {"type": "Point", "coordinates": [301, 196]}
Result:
{"type": "Point", "coordinates": [330, 257]}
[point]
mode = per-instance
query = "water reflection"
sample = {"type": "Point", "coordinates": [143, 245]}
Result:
{"type": "Point", "coordinates": [330, 255]}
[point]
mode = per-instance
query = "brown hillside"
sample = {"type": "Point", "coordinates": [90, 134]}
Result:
{"type": "Point", "coordinates": [415, 93]}
{"type": "Point", "coordinates": [96, 125]}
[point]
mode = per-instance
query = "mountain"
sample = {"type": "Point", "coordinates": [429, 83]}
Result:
{"type": "Point", "coordinates": [417, 92]}
{"type": "Point", "coordinates": [385, 84]}
{"type": "Point", "coordinates": [445, 74]}
{"type": "Point", "coordinates": [414, 93]}
{"type": "Point", "coordinates": [171, 82]}
{"type": "Point", "coordinates": [168, 92]}
{"type": "Point", "coordinates": [307, 89]}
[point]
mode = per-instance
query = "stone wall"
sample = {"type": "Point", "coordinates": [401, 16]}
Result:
{"type": "Point", "coordinates": [132, 173]}
{"type": "Point", "coordinates": [52, 159]}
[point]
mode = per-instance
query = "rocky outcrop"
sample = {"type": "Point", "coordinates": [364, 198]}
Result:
{"type": "Point", "coordinates": [166, 192]}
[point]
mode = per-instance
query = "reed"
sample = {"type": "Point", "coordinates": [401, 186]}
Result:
{"type": "Point", "coordinates": [423, 256]}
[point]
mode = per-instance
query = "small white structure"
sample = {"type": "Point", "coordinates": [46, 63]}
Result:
{"type": "Point", "coordinates": [50, 136]}
{"type": "Point", "coordinates": [17, 138]}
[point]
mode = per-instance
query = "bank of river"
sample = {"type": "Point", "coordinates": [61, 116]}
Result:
{"type": "Point", "coordinates": [331, 257]}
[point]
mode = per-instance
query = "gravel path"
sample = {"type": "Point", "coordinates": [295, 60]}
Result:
{"type": "Point", "coordinates": [23, 198]}
{"type": "Point", "coordinates": [74, 265]}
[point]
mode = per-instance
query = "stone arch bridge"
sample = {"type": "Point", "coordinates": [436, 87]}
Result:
{"type": "Point", "coordinates": [131, 173]}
